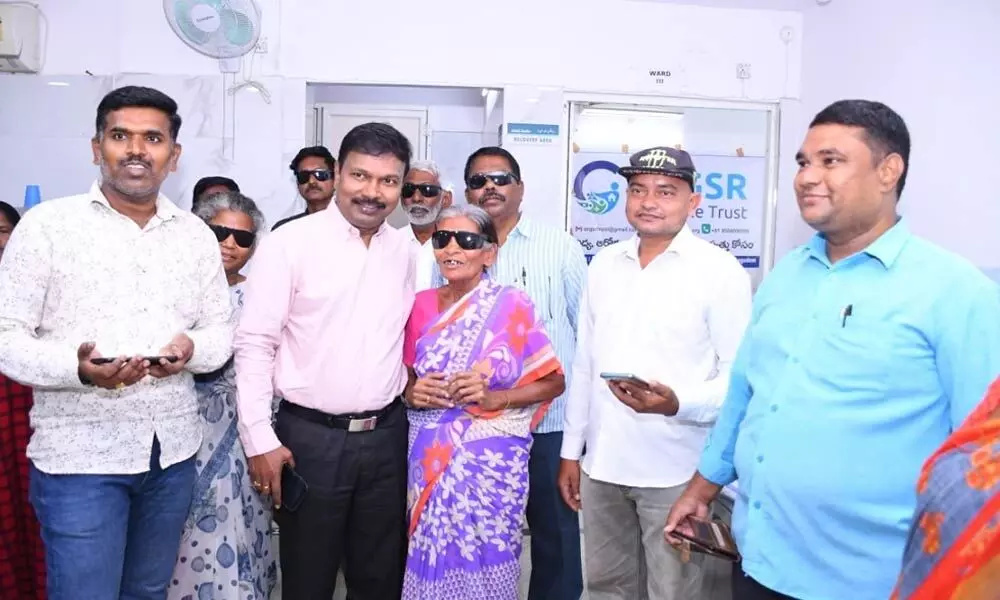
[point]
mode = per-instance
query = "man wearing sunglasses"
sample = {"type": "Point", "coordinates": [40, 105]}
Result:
{"type": "Point", "coordinates": [423, 199]}
{"type": "Point", "coordinates": [550, 266]}
{"type": "Point", "coordinates": [315, 170]}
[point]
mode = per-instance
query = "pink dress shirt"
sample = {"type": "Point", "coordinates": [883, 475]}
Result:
{"type": "Point", "coordinates": [322, 323]}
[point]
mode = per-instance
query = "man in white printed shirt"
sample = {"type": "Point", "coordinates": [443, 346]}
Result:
{"type": "Point", "coordinates": [119, 272]}
{"type": "Point", "coordinates": [423, 198]}
{"type": "Point", "coordinates": [669, 308]}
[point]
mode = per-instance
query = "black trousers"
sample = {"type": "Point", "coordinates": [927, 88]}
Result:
{"type": "Point", "coordinates": [354, 513]}
{"type": "Point", "coordinates": [746, 588]}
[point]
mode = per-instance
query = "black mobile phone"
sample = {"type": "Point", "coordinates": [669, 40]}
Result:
{"type": "Point", "coordinates": [293, 489]}
{"type": "Point", "coordinates": [152, 359]}
{"type": "Point", "coordinates": [710, 537]}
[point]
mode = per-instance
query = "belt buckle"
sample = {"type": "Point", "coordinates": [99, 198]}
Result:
{"type": "Point", "coordinates": [358, 425]}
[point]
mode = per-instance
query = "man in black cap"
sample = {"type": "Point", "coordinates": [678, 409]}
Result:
{"type": "Point", "coordinates": [660, 321]}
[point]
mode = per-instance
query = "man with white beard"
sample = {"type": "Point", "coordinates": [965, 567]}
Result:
{"type": "Point", "coordinates": [423, 198]}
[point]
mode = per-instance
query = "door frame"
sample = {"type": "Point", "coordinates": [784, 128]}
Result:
{"type": "Point", "coordinates": [375, 111]}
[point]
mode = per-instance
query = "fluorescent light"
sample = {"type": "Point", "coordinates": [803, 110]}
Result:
{"type": "Point", "coordinates": [58, 84]}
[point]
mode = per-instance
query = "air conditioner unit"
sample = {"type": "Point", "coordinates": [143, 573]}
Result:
{"type": "Point", "coordinates": [20, 42]}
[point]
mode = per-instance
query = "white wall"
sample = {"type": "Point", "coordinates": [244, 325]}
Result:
{"type": "Point", "coordinates": [594, 45]}
{"type": "Point", "coordinates": [934, 63]}
{"type": "Point", "coordinates": [600, 45]}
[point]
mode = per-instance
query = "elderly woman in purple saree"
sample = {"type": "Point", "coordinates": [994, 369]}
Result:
{"type": "Point", "coordinates": [483, 374]}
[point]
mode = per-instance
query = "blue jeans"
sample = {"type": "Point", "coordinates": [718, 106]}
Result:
{"type": "Point", "coordinates": [112, 537]}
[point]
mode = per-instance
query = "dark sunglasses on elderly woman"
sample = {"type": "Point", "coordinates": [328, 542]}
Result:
{"type": "Point", "coordinates": [467, 240]}
{"type": "Point", "coordinates": [320, 174]}
{"type": "Point", "coordinates": [242, 237]}
{"type": "Point", "coordinates": [499, 179]}
{"type": "Point", "coordinates": [427, 190]}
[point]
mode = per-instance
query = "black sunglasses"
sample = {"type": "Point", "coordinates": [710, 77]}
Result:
{"type": "Point", "coordinates": [499, 179]}
{"type": "Point", "coordinates": [242, 237]}
{"type": "Point", "coordinates": [427, 190]}
{"type": "Point", "coordinates": [320, 174]}
{"type": "Point", "coordinates": [467, 240]}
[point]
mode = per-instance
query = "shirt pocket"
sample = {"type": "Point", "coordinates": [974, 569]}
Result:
{"type": "Point", "coordinates": [855, 356]}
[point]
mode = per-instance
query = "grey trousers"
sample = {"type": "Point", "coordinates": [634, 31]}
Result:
{"type": "Point", "coordinates": [625, 555]}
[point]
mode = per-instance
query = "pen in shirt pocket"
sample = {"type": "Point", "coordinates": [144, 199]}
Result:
{"type": "Point", "coordinates": [844, 313]}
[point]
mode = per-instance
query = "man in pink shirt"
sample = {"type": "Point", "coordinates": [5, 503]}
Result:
{"type": "Point", "coordinates": [322, 329]}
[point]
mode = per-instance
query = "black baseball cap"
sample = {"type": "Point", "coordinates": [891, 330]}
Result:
{"type": "Point", "coordinates": [661, 160]}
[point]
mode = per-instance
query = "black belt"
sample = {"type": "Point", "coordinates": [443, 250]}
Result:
{"type": "Point", "coordinates": [363, 421]}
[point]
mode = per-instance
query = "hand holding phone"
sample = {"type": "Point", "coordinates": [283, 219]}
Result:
{"type": "Point", "coordinates": [293, 489]}
{"type": "Point", "coordinates": [626, 377]}
{"type": "Point", "coordinates": [709, 537]}
{"type": "Point", "coordinates": [108, 373]}
{"type": "Point", "coordinates": [153, 360]}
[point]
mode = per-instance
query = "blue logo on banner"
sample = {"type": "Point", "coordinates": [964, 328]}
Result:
{"type": "Point", "coordinates": [601, 194]}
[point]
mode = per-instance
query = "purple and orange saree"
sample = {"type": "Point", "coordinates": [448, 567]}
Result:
{"type": "Point", "coordinates": [954, 548]}
{"type": "Point", "coordinates": [468, 468]}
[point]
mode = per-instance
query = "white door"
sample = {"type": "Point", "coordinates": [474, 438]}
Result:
{"type": "Point", "coordinates": [338, 119]}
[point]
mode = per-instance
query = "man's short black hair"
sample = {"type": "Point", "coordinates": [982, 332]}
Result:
{"type": "Point", "coordinates": [492, 151]}
{"type": "Point", "coordinates": [10, 213]}
{"type": "Point", "coordinates": [376, 139]}
{"type": "Point", "coordinates": [884, 129]}
{"type": "Point", "coordinates": [133, 96]}
{"type": "Point", "coordinates": [313, 152]}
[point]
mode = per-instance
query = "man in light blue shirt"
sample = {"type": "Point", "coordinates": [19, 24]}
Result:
{"type": "Point", "coordinates": [549, 265]}
{"type": "Point", "coordinates": [866, 347]}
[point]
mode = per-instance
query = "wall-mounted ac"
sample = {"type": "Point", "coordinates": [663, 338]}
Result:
{"type": "Point", "coordinates": [20, 42]}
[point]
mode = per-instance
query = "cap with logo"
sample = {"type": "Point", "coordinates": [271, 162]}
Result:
{"type": "Point", "coordinates": [660, 161]}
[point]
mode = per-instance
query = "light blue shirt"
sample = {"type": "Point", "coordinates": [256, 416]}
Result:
{"type": "Point", "coordinates": [549, 265]}
{"type": "Point", "coordinates": [849, 377]}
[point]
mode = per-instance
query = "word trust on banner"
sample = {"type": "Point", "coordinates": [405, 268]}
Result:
{"type": "Point", "coordinates": [730, 215]}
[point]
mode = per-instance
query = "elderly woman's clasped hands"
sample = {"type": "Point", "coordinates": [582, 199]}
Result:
{"type": "Point", "coordinates": [438, 390]}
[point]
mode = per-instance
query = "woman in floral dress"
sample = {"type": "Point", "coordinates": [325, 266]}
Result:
{"type": "Point", "coordinates": [483, 374]}
{"type": "Point", "coordinates": [225, 551]}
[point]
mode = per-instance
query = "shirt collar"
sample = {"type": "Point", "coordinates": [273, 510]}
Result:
{"type": "Point", "coordinates": [886, 249]}
{"type": "Point", "coordinates": [681, 244]}
{"type": "Point", "coordinates": [525, 227]}
{"type": "Point", "coordinates": [342, 224]}
{"type": "Point", "coordinates": [165, 209]}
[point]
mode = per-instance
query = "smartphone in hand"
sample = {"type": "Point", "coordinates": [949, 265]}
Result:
{"type": "Point", "coordinates": [626, 377]}
{"type": "Point", "coordinates": [710, 537]}
{"type": "Point", "coordinates": [153, 360]}
{"type": "Point", "coordinates": [293, 489]}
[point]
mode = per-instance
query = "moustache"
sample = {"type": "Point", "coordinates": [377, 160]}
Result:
{"type": "Point", "coordinates": [134, 161]}
{"type": "Point", "coordinates": [368, 201]}
{"type": "Point", "coordinates": [492, 196]}
{"type": "Point", "coordinates": [418, 210]}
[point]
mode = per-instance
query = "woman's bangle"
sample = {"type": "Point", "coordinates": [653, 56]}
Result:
{"type": "Point", "coordinates": [507, 396]}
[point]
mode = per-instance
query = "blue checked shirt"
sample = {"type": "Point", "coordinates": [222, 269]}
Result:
{"type": "Point", "coordinates": [549, 265]}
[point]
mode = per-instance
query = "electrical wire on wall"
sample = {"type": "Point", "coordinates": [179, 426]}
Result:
{"type": "Point", "coordinates": [248, 81]}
